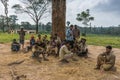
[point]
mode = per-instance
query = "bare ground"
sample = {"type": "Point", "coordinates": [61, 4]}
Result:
{"type": "Point", "coordinates": [53, 70]}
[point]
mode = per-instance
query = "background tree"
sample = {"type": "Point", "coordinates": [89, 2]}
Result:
{"type": "Point", "coordinates": [85, 18]}
{"type": "Point", "coordinates": [59, 17]}
{"type": "Point", "coordinates": [49, 27]}
{"type": "Point", "coordinates": [2, 21]}
{"type": "Point", "coordinates": [26, 25]}
{"type": "Point", "coordinates": [68, 23]}
{"type": "Point", "coordinates": [12, 22]}
{"type": "Point", "coordinates": [34, 8]}
{"type": "Point", "coordinates": [5, 4]}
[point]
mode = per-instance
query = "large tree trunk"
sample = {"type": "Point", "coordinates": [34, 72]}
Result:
{"type": "Point", "coordinates": [59, 17]}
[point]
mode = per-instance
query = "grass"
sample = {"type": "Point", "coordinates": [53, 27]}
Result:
{"type": "Point", "coordinates": [103, 40]}
{"type": "Point", "coordinates": [99, 40]}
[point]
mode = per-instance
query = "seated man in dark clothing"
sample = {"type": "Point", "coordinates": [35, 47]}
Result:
{"type": "Point", "coordinates": [82, 48]}
{"type": "Point", "coordinates": [15, 46]}
{"type": "Point", "coordinates": [37, 51]}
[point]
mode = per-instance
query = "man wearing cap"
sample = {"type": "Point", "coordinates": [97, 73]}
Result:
{"type": "Point", "coordinates": [22, 37]}
{"type": "Point", "coordinates": [106, 60]}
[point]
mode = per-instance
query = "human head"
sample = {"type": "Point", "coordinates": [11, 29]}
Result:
{"type": "Point", "coordinates": [56, 34]}
{"type": "Point", "coordinates": [14, 40]}
{"type": "Point", "coordinates": [71, 27]}
{"type": "Point", "coordinates": [67, 43]}
{"type": "Point", "coordinates": [83, 40]}
{"type": "Point", "coordinates": [45, 36]}
{"type": "Point", "coordinates": [39, 35]}
{"type": "Point", "coordinates": [32, 37]}
{"type": "Point", "coordinates": [21, 28]}
{"type": "Point", "coordinates": [108, 49]}
{"type": "Point", "coordinates": [75, 26]}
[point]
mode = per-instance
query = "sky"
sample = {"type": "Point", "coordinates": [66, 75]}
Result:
{"type": "Point", "coordinates": [106, 12]}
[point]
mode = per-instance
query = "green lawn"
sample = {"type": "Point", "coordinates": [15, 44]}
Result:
{"type": "Point", "coordinates": [100, 40]}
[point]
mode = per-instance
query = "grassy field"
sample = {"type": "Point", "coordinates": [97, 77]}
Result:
{"type": "Point", "coordinates": [103, 40]}
{"type": "Point", "coordinates": [100, 40]}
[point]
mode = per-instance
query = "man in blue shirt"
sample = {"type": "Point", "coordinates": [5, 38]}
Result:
{"type": "Point", "coordinates": [69, 36]}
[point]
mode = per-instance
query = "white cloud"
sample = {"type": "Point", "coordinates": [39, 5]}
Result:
{"type": "Point", "coordinates": [74, 7]}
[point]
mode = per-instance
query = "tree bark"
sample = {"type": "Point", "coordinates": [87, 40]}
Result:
{"type": "Point", "coordinates": [59, 17]}
{"type": "Point", "coordinates": [37, 26]}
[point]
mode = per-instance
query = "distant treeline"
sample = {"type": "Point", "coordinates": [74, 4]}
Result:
{"type": "Point", "coordinates": [101, 30]}
{"type": "Point", "coordinates": [47, 28]}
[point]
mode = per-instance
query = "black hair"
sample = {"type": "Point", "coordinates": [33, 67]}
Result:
{"type": "Point", "coordinates": [14, 40]}
{"type": "Point", "coordinates": [83, 39]}
{"type": "Point", "coordinates": [55, 34]}
{"type": "Point", "coordinates": [109, 47]}
{"type": "Point", "coordinates": [71, 25]}
{"type": "Point", "coordinates": [67, 42]}
{"type": "Point", "coordinates": [39, 35]}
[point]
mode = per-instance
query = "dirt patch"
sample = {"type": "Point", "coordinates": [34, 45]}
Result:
{"type": "Point", "coordinates": [52, 70]}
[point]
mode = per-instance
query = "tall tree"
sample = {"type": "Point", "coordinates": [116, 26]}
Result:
{"type": "Point", "coordinates": [68, 23]}
{"type": "Point", "coordinates": [2, 21]}
{"type": "Point", "coordinates": [12, 22]}
{"type": "Point", "coordinates": [5, 4]}
{"type": "Point", "coordinates": [85, 17]}
{"type": "Point", "coordinates": [59, 17]}
{"type": "Point", "coordinates": [26, 25]}
{"type": "Point", "coordinates": [34, 8]}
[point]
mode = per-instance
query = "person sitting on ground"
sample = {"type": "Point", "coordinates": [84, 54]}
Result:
{"type": "Point", "coordinates": [82, 48]}
{"type": "Point", "coordinates": [29, 45]}
{"type": "Point", "coordinates": [44, 39]}
{"type": "Point", "coordinates": [15, 46]}
{"type": "Point", "coordinates": [39, 39]}
{"type": "Point", "coordinates": [32, 41]}
{"type": "Point", "coordinates": [106, 60]}
{"type": "Point", "coordinates": [41, 45]}
{"type": "Point", "coordinates": [65, 54]}
{"type": "Point", "coordinates": [37, 52]}
{"type": "Point", "coordinates": [58, 41]}
{"type": "Point", "coordinates": [52, 47]}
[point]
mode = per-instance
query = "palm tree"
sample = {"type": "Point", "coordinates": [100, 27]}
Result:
{"type": "Point", "coordinates": [85, 18]}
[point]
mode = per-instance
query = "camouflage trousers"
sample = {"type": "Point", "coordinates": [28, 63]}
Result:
{"type": "Point", "coordinates": [102, 65]}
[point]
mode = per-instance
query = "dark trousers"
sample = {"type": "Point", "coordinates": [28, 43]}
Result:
{"type": "Point", "coordinates": [71, 44]}
{"type": "Point", "coordinates": [83, 53]}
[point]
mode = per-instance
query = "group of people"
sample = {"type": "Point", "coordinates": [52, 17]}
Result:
{"type": "Point", "coordinates": [64, 49]}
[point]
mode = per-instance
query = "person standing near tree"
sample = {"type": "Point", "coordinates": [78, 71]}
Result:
{"type": "Point", "coordinates": [22, 37]}
{"type": "Point", "coordinates": [76, 33]}
{"type": "Point", "coordinates": [69, 36]}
